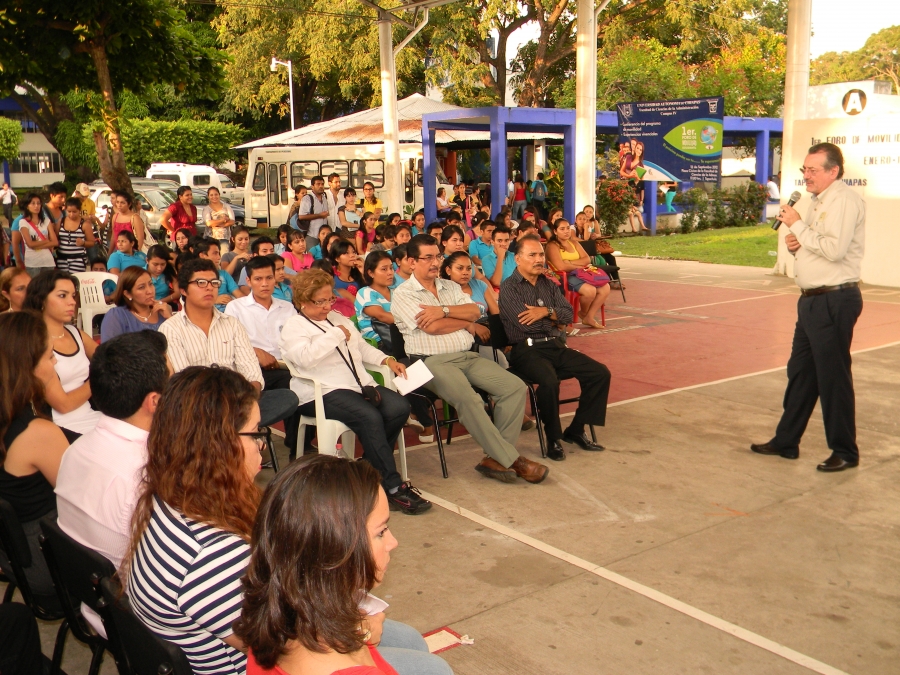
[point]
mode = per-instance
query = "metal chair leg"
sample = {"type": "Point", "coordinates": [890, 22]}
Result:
{"type": "Point", "coordinates": [270, 444]}
{"type": "Point", "coordinates": [537, 420]}
{"type": "Point", "coordinates": [10, 591]}
{"type": "Point", "coordinates": [58, 647]}
{"type": "Point", "coordinates": [96, 660]}
{"type": "Point", "coordinates": [440, 443]}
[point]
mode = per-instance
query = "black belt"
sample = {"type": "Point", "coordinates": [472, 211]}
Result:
{"type": "Point", "coordinates": [530, 342]}
{"type": "Point", "coordinates": [806, 292]}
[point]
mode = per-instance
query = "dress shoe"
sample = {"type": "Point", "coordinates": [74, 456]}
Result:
{"type": "Point", "coordinates": [836, 463]}
{"type": "Point", "coordinates": [530, 471]}
{"type": "Point", "coordinates": [491, 468]}
{"type": "Point", "coordinates": [556, 452]}
{"type": "Point", "coordinates": [767, 449]}
{"type": "Point", "coordinates": [527, 423]}
{"type": "Point", "coordinates": [582, 441]}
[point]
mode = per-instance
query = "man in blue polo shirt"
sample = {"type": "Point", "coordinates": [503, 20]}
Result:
{"type": "Point", "coordinates": [496, 273]}
{"type": "Point", "coordinates": [481, 247]}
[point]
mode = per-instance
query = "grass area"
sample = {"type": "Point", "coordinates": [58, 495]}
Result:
{"type": "Point", "coordinates": [748, 246]}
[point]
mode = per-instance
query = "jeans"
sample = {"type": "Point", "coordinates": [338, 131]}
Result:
{"type": "Point", "coordinates": [276, 405]}
{"type": "Point", "coordinates": [376, 428]}
{"type": "Point", "coordinates": [405, 650]}
{"type": "Point", "coordinates": [518, 210]}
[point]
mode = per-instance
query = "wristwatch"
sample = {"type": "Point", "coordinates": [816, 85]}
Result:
{"type": "Point", "coordinates": [446, 311]}
{"type": "Point", "coordinates": [549, 312]}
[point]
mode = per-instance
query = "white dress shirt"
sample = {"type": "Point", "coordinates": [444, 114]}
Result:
{"type": "Point", "coordinates": [333, 203]}
{"type": "Point", "coordinates": [405, 301]}
{"type": "Point", "coordinates": [98, 486]}
{"type": "Point", "coordinates": [312, 354]}
{"type": "Point", "coordinates": [832, 238]}
{"type": "Point", "coordinates": [263, 325]}
{"type": "Point", "coordinates": [227, 345]}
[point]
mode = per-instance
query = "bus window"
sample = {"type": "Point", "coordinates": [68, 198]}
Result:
{"type": "Point", "coordinates": [273, 184]}
{"type": "Point", "coordinates": [420, 169]}
{"type": "Point", "coordinates": [202, 179]}
{"type": "Point", "coordinates": [284, 183]}
{"type": "Point", "coordinates": [338, 166]}
{"type": "Point", "coordinates": [303, 172]}
{"type": "Point", "coordinates": [371, 170]}
{"type": "Point", "coordinates": [259, 177]}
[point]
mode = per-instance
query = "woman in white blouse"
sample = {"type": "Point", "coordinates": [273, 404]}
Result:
{"type": "Point", "coordinates": [322, 344]}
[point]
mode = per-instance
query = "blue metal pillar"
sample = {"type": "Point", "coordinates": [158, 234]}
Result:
{"type": "Point", "coordinates": [569, 208]}
{"type": "Point", "coordinates": [6, 172]}
{"type": "Point", "coordinates": [429, 179]}
{"type": "Point", "coordinates": [498, 161]}
{"type": "Point", "coordinates": [651, 204]}
{"type": "Point", "coordinates": [762, 163]}
{"type": "Point", "coordinates": [524, 163]}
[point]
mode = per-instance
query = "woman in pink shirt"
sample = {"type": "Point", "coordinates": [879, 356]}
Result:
{"type": "Point", "coordinates": [296, 256]}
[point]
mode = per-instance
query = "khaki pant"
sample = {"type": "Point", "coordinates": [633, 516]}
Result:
{"type": "Point", "coordinates": [454, 376]}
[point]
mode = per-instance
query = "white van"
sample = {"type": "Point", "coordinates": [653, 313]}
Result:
{"type": "Point", "coordinates": [192, 175]}
{"type": "Point", "coordinates": [273, 172]}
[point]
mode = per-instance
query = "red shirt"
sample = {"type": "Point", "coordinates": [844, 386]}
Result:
{"type": "Point", "coordinates": [382, 667]}
{"type": "Point", "coordinates": [182, 219]}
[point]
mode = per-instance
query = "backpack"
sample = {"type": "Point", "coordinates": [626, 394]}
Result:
{"type": "Point", "coordinates": [539, 191]}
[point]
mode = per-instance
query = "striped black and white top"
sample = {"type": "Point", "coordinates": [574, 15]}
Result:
{"type": "Point", "coordinates": [184, 584]}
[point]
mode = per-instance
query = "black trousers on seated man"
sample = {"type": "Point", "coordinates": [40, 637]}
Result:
{"type": "Point", "coordinates": [276, 380]}
{"type": "Point", "coordinates": [547, 364]}
{"type": "Point", "coordinates": [819, 369]}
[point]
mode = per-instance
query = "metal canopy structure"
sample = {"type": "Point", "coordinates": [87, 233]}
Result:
{"type": "Point", "coordinates": [500, 122]}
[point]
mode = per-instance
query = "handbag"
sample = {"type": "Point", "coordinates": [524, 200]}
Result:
{"type": "Point", "coordinates": [592, 276]}
{"type": "Point", "coordinates": [369, 393]}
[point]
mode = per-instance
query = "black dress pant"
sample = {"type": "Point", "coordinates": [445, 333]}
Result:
{"type": "Point", "coordinates": [279, 378]}
{"type": "Point", "coordinates": [819, 369]}
{"type": "Point", "coordinates": [547, 364]}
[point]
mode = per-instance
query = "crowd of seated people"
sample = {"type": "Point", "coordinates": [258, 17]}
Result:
{"type": "Point", "coordinates": [197, 338]}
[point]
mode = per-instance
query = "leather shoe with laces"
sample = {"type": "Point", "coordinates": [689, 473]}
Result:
{"type": "Point", "coordinates": [491, 468]}
{"type": "Point", "coordinates": [836, 463]}
{"type": "Point", "coordinates": [530, 471]}
{"type": "Point", "coordinates": [767, 449]}
{"type": "Point", "coordinates": [556, 452]}
{"type": "Point", "coordinates": [582, 441]}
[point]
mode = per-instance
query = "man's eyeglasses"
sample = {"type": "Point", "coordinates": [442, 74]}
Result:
{"type": "Point", "coordinates": [327, 301]}
{"type": "Point", "coordinates": [431, 258]}
{"type": "Point", "coordinates": [259, 437]}
{"type": "Point", "coordinates": [203, 283]}
{"type": "Point", "coordinates": [812, 171]}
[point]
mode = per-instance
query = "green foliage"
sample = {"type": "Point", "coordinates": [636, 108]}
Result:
{"type": "Point", "coordinates": [740, 206]}
{"type": "Point", "coordinates": [746, 202]}
{"type": "Point", "coordinates": [10, 138]}
{"type": "Point", "coordinates": [614, 201]}
{"type": "Point", "coordinates": [879, 58]}
{"type": "Point", "coordinates": [695, 214]}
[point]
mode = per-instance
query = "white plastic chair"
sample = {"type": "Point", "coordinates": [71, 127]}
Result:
{"type": "Point", "coordinates": [90, 291]}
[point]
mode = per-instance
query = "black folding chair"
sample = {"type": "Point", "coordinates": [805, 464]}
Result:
{"type": "Point", "coordinates": [499, 342]}
{"type": "Point", "coordinates": [76, 572]}
{"type": "Point", "coordinates": [590, 247]}
{"type": "Point", "coordinates": [141, 652]}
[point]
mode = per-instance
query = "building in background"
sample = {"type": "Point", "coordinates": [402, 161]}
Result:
{"type": "Point", "coordinates": [38, 163]}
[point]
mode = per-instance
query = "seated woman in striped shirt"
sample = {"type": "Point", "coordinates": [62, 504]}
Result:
{"type": "Point", "coordinates": [194, 517]}
{"type": "Point", "coordinates": [321, 543]}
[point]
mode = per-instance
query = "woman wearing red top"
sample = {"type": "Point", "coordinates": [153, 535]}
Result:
{"type": "Point", "coordinates": [519, 199]}
{"type": "Point", "coordinates": [181, 214]}
{"type": "Point", "coordinates": [320, 543]}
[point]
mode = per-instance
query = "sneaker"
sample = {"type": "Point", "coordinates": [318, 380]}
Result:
{"type": "Point", "coordinates": [413, 422]}
{"type": "Point", "coordinates": [408, 499]}
{"type": "Point", "coordinates": [426, 435]}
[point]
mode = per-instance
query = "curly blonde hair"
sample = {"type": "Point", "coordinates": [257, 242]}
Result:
{"type": "Point", "coordinates": [308, 283]}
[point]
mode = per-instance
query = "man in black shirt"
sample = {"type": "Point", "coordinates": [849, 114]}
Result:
{"type": "Point", "coordinates": [534, 311]}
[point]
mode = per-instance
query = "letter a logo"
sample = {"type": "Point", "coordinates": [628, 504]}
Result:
{"type": "Point", "coordinates": [854, 101]}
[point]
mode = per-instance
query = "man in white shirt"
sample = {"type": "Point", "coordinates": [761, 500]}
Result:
{"type": "Point", "coordinates": [200, 335]}
{"type": "Point", "coordinates": [772, 190]}
{"type": "Point", "coordinates": [335, 198]}
{"type": "Point", "coordinates": [828, 245]}
{"type": "Point", "coordinates": [7, 198]}
{"type": "Point", "coordinates": [313, 212]}
{"type": "Point", "coordinates": [437, 322]}
{"type": "Point", "coordinates": [99, 477]}
{"type": "Point", "coordinates": [263, 317]}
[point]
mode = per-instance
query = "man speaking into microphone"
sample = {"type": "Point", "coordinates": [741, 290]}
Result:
{"type": "Point", "coordinates": [828, 249]}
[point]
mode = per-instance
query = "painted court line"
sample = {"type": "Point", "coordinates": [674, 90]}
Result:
{"type": "Point", "coordinates": [649, 593]}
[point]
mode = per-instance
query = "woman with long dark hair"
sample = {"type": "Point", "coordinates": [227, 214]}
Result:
{"type": "Point", "coordinates": [566, 255]}
{"type": "Point", "coordinates": [125, 219]}
{"type": "Point", "coordinates": [365, 235]}
{"type": "Point", "coordinates": [136, 306]}
{"type": "Point", "coordinates": [13, 286]}
{"type": "Point", "coordinates": [347, 275]}
{"type": "Point", "coordinates": [75, 237]}
{"type": "Point", "coordinates": [31, 446]}
{"type": "Point", "coordinates": [194, 516]}
{"type": "Point", "coordinates": [37, 235]}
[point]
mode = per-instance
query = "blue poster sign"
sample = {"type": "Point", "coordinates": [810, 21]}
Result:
{"type": "Point", "coordinates": [671, 140]}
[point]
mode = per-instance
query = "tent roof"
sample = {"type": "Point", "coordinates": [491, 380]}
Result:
{"type": "Point", "coordinates": [366, 127]}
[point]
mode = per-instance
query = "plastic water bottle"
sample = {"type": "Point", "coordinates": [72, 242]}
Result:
{"type": "Point", "coordinates": [339, 449]}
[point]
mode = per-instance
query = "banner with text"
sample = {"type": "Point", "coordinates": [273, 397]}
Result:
{"type": "Point", "coordinates": [671, 140]}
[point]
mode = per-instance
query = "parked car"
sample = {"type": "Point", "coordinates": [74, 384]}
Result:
{"type": "Point", "coordinates": [230, 192]}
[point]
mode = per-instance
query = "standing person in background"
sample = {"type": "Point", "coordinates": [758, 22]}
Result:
{"type": "Point", "coordinates": [75, 236]}
{"type": "Point", "coordinates": [370, 201]}
{"type": "Point", "coordinates": [7, 198]}
{"type": "Point", "coordinates": [299, 193]}
{"type": "Point", "coordinates": [124, 219]}
{"type": "Point", "coordinates": [334, 198]}
{"type": "Point", "coordinates": [828, 246]}
{"type": "Point", "coordinates": [313, 213]}
{"type": "Point", "coordinates": [37, 234]}
{"type": "Point", "coordinates": [56, 203]}
{"type": "Point", "coordinates": [347, 214]}
{"type": "Point", "coordinates": [13, 286]}
{"type": "Point", "coordinates": [519, 200]}
{"type": "Point", "coordinates": [539, 194]}
{"type": "Point", "coordinates": [88, 206]}
{"type": "Point", "coordinates": [180, 214]}
{"type": "Point", "coordinates": [218, 217]}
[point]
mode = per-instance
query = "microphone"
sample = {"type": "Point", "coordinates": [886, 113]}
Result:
{"type": "Point", "coordinates": [795, 197]}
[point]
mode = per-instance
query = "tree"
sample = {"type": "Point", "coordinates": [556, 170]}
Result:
{"type": "Point", "coordinates": [99, 47]}
{"type": "Point", "coordinates": [878, 58]}
{"type": "Point", "coordinates": [10, 139]}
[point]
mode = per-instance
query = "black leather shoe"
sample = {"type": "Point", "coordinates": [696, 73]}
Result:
{"type": "Point", "coordinates": [556, 452]}
{"type": "Point", "coordinates": [767, 449]}
{"type": "Point", "coordinates": [836, 463]}
{"type": "Point", "coordinates": [582, 441]}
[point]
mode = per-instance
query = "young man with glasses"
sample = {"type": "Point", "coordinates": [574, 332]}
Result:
{"type": "Point", "coordinates": [200, 335]}
{"type": "Point", "coordinates": [437, 322]}
{"type": "Point", "coordinates": [828, 246]}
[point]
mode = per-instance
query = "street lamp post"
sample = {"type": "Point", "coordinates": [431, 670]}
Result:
{"type": "Point", "coordinates": [273, 66]}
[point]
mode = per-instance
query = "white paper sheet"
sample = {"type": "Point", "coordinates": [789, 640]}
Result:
{"type": "Point", "coordinates": [416, 375]}
{"type": "Point", "coordinates": [372, 605]}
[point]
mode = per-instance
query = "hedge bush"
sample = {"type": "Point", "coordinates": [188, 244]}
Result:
{"type": "Point", "coordinates": [10, 138]}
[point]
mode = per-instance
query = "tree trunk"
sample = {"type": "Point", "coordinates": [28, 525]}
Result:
{"type": "Point", "coordinates": [109, 143]}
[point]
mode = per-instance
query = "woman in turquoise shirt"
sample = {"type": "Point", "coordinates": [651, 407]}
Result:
{"type": "Point", "coordinates": [126, 254]}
